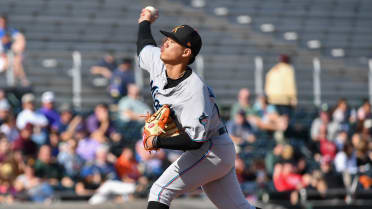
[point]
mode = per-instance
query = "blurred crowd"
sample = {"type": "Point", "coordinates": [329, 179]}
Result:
{"type": "Point", "coordinates": [48, 150]}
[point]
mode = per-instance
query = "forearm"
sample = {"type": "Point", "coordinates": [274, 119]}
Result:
{"type": "Point", "coordinates": [144, 36]}
{"type": "Point", "coordinates": [179, 142]}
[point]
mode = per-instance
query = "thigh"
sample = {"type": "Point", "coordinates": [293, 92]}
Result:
{"type": "Point", "coordinates": [189, 172]}
{"type": "Point", "coordinates": [226, 193]}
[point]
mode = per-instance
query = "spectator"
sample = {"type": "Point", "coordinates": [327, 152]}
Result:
{"type": "Point", "coordinates": [346, 161]}
{"type": "Point", "coordinates": [266, 116]}
{"type": "Point", "coordinates": [100, 120]}
{"type": "Point", "coordinates": [322, 119]}
{"type": "Point", "coordinates": [95, 172]}
{"type": "Point", "coordinates": [37, 189]}
{"type": "Point", "coordinates": [126, 167]}
{"type": "Point", "coordinates": [47, 168]}
{"type": "Point", "coordinates": [88, 146]}
{"type": "Point", "coordinates": [12, 41]}
{"type": "Point", "coordinates": [24, 142]}
{"type": "Point", "coordinates": [131, 108]}
{"type": "Point", "coordinates": [154, 164]}
{"type": "Point", "coordinates": [130, 113]}
{"type": "Point", "coordinates": [340, 118]}
{"type": "Point", "coordinates": [69, 158]}
{"type": "Point", "coordinates": [4, 106]}
{"type": "Point", "coordinates": [240, 130]}
{"type": "Point", "coordinates": [280, 86]}
{"type": "Point", "coordinates": [103, 69]}
{"type": "Point", "coordinates": [47, 109]}
{"type": "Point", "coordinates": [273, 157]}
{"type": "Point", "coordinates": [121, 77]}
{"type": "Point", "coordinates": [243, 103]}
{"type": "Point", "coordinates": [364, 111]}
{"type": "Point", "coordinates": [9, 127]}
{"type": "Point", "coordinates": [28, 114]}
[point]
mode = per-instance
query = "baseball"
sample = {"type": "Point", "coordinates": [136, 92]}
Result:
{"type": "Point", "coordinates": [152, 10]}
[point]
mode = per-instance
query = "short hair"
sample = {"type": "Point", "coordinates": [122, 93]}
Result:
{"type": "Point", "coordinates": [126, 60]}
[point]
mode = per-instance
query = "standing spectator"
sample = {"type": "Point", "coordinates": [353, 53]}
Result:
{"type": "Point", "coordinates": [280, 86]}
{"type": "Point", "coordinates": [14, 41]}
{"type": "Point", "coordinates": [47, 109]}
{"type": "Point", "coordinates": [28, 114]}
{"type": "Point", "coordinates": [121, 77]}
{"type": "Point", "coordinates": [103, 69]}
{"type": "Point", "coordinates": [243, 103]}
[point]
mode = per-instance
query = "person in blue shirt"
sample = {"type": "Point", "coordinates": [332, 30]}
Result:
{"type": "Point", "coordinates": [121, 77]}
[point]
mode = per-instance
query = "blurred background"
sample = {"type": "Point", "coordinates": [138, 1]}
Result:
{"type": "Point", "coordinates": [293, 79]}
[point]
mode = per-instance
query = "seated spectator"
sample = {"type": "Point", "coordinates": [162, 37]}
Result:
{"type": "Point", "coordinates": [47, 109]}
{"type": "Point", "coordinates": [103, 70]}
{"type": "Point", "coordinates": [340, 118]}
{"type": "Point", "coordinates": [127, 169]}
{"type": "Point", "coordinates": [47, 168]}
{"type": "Point", "coordinates": [364, 111]}
{"type": "Point", "coordinates": [240, 130]}
{"type": "Point", "coordinates": [266, 117]}
{"type": "Point", "coordinates": [131, 108]}
{"type": "Point", "coordinates": [12, 41]}
{"type": "Point", "coordinates": [243, 103]}
{"type": "Point", "coordinates": [346, 161]}
{"type": "Point", "coordinates": [95, 172]}
{"type": "Point", "coordinates": [331, 178]}
{"type": "Point", "coordinates": [28, 114]}
{"type": "Point", "coordinates": [88, 146]}
{"type": "Point", "coordinates": [153, 164]}
{"type": "Point", "coordinates": [37, 189]}
{"type": "Point", "coordinates": [69, 159]}
{"type": "Point", "coordinates": [9, 127]}
{"type": "Point", "coordinates": [24, 143]}
{"type": "Point", "coordinates": [4, 110]}
{"type": "Point", "coordinates": [121, 77]}
{"type": "Point", "coordinates": [130, 113]}
{"type": "Point", "coordinates": [322, 119]}
{"type": "Point", "coordinates": [100, 121]}
{"type": "Point", "coordinates": [273, 157]}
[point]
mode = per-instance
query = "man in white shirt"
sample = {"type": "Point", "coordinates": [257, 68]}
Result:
{"type": "Point", "coordinates": [28, 114]}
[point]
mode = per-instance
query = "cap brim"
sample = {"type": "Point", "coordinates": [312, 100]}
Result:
{"type": "Point", "coordinates": [172, 36]}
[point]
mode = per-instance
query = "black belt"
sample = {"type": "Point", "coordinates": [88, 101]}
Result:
{"type": "Point", "coordinates": [222, 130]}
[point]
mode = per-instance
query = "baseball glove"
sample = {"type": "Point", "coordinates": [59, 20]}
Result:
{"type": "Point", "coordinates": [159, 124]}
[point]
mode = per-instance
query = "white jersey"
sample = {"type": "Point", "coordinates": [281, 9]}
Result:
{"type": "Point", "coordinates": [191, 101]}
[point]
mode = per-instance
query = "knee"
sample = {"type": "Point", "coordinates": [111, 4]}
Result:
{"type": "Point", "coordinates": [161, 194]}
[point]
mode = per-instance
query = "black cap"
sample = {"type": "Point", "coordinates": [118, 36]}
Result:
{"type": "Point", "coordinates": [187, 37]}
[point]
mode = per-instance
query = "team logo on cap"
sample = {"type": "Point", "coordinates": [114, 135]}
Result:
{"type": "Point", "coordinates": [174, 30]}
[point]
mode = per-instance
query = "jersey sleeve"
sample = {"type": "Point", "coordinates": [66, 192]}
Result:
{"type": "Point", "coordinates": [149, 59]}
{"type": "Point", "coordinates": [196, 116]}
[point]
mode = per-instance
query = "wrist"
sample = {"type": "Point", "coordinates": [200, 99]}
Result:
{"type": "Point", "coordinates": [155, 142]}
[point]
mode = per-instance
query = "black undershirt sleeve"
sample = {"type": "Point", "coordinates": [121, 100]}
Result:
{"type": "Point", "coordinates": [144, 36]}
{"type": "Point", "coordinates": [179, 142]}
